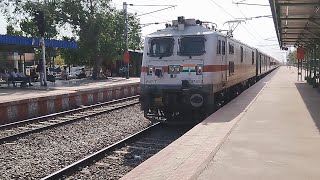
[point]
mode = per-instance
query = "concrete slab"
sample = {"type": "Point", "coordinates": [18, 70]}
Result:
{"type": "Point", "coordinates": [9, 94]}
{"type": "Point", "coordinates": [277, 138]}
{"type": "Point", "coordinates": [186, 157]}
{"type": "Point", "coordinates": [271, 131]}
{"type": "Point", "coordinates": [23, 103]}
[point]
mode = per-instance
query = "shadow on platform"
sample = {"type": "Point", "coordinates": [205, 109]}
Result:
{"type": "Point", "coordinates": [239, 104]}
{"type": "Point", "coordinates": [311, 98]}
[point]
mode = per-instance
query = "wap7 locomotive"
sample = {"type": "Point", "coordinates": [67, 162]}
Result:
{"type": "Point", "coordinates": [189, 70]}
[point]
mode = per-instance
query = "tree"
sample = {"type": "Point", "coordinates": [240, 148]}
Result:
{"type": "Point", "coordinates": [59, 60]}
{"type": "Point", "coordinates": [292, 56]}
{"type": "Point", "coordinates": [100, 29]}
{"type": "Point", "coordinates": [12, 31]}
{"type": "Point", "coordinates": [97, 27]}
{"type": "Point", "coordinates": [21, 13]}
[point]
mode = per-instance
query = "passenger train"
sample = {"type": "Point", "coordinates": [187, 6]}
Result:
{"type": "Point", "coordinates": [189, 70]}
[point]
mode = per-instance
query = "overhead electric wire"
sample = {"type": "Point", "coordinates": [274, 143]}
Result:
{"type": "Point", "coordinates": [156, 11]}
{"type": "Point", "coordinates": [222, 8]}
{"type": "Point", "coordinates": [256, 17]}
{"type": "Point", "coordinates": [252, 27]}
{"type": "Point", "coordinates": [234, 18]}
{"type": "Point", "coordinates": [152, 5]}
{"type": "Point", "coordinates": [240, 23]}
{"type": "Point", "coordinates": [251, 4]}
{"type": "Point", "coordinates": [249, 23]}
{"type": "Point", "coordinates": [240, 1]}
{"type": "Point", "coordinates": [142, 12]}
{"type": "Point", "coordinates": [148, 24]}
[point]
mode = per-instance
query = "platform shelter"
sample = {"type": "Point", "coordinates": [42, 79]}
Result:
{"type": "Point", "coordinates": [297, 23]}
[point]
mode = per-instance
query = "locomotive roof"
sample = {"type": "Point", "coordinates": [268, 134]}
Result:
{"type": "Point", "coordinates": [188, 30]}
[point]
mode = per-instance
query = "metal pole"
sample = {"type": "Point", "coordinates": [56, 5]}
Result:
{"type": "Point", "coordinates": [318, 69]}
{"type": "Point", "coordinates": [44, 62]}
{"type": "Point", "coordinates": [307, 65]}
{"type": "Point", "coordinates": [24, 63]}
{"type": "Point", "coordinates": [310, 66]}
{"type": "Point", "coordinates": [314, 67]}
{"type": "Point", "coordinates": [126, 32]}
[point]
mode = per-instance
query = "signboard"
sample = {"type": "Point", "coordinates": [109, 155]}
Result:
{"type": "Point", "coordinates": [126, 57]}
{"type": "Point", "coordinates": [300, 53]}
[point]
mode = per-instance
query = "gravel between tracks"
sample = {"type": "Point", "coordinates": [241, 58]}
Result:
{"type": "Point", "coordinates": [40, 154]}
{"type": "Point", "coordinates": [118, 163]}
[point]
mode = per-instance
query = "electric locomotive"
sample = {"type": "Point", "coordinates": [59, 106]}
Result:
{"type": "Point", "coordinates": [189, 70]}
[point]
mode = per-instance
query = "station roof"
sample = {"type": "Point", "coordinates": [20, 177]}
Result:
{"type": "Point", "coordinates": [25, 41]}
{"type": "Point", "coordinates": [297, 22]}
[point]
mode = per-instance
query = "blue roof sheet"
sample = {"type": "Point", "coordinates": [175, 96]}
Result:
{"type": "Point", "coordinates": [25, 41]}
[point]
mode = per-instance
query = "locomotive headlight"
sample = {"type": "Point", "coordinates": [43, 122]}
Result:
{"type": "Point", "coordinates": [150, 70]}
{"type": "Point", "coordinates": [174, 69]}
{"type": "Point", "coordinates": [199, 69]}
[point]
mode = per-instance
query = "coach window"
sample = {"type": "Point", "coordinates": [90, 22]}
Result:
{"type": "Point", "coordinates": [241, 53]}
{"type": "Point", "coordinates": [192, 46]}
{"type": "Point", "coordinates": [252, 57]}
{"type": "Point", "coordinates": [231, 48]}
{"type": "Point", "coordinates": [223, 48]}
{"type": "Point", "coordinates": [219, 47]}
{"type": "Point", "coordinates": [161, 47]}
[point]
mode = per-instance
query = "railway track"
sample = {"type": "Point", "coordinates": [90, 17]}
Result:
{"type": "Point", "coordinates": [122, 156]}
{"type": "Point", "coordinates": [12, 131]}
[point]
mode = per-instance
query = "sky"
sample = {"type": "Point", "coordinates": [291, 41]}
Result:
{"type": "Point", "coordinates": [259, 32]}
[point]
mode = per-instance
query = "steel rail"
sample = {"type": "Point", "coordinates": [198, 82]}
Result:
{"type": "Point", "coordinates": [98, 155]}
{"type": "Point", "coordinates": [9, 125]}
{"type": "Point", "coordinates": [56, 124]}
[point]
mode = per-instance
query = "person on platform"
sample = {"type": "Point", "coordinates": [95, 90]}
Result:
{"type": "Point", "coordinates": [15, 76]}
{"type": "Point", "coordinates": [41, 72]}
{"type": "Point", "coordinates": [4, 75]}
{"type": "Point", "coordinates": [82, 74]}
{"type": "Point", "coordinates": [25, 78]}
{"type": "Point", "coordinates": [64, 73]}
{"type": "Point", "coordinates": [33, 75]}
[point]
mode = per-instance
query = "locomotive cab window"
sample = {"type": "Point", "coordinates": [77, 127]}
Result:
{"type": "Point", "coordinates": [161, 47]}
{"type": "Point", "coordinates": [192, 46]}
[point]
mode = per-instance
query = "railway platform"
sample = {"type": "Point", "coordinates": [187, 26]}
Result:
{"type": "Point", "coordinates": [22, 103]}
{"type": "Point", "coordinates": [270, 131]}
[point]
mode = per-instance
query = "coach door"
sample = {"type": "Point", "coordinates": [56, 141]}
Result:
{"type": "Point", "coordinates": [223, 58]}
{"type": "Point", "coordinates": [260, 63]}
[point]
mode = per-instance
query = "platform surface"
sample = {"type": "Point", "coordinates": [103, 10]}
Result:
{"type": "Point", "coordinates": [8, 94]}
{"type": "Point", "coordinates": [271, 131]}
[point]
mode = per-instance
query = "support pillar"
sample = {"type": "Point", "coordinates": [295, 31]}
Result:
{"type": "Point", "coordinates": [300, 69]}
{"type": "Point", "coordinates": [15, 60]}
{"type": "Point", "coordinates": [314, 65]}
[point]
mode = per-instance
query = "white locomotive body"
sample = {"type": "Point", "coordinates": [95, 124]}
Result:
{"type": "Point", "coordinates": [190, 69]}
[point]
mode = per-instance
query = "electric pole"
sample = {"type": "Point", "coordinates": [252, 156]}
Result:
{"type": "Point", "coordinates": [125, 5]}
{"type": "Point", "coordinates": [125, 12]}
{"type": "Point", "coordinates": [40, 22]}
